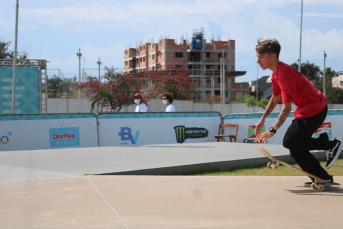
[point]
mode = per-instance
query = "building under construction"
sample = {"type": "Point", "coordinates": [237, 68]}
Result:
{"type": "Point", "coordinates": [212, 64]}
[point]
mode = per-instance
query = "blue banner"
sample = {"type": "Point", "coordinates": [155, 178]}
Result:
{"type": "Point", "coordinates": [63, 137]}
{"type": "Point", "coordinates": [27, 91]}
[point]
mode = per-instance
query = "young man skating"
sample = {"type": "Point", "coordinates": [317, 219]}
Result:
{"type": "Point", "coordinates": [309, 115]}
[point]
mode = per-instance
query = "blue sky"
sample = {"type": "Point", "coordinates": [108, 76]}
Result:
{"type": "Point", "coordinates": [55, 30]}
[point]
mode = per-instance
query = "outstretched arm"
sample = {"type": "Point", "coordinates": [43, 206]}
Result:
{"type": "Point", "coordinates": [270, 107]}
{"type": "Point", "coordinates": [286, 109]}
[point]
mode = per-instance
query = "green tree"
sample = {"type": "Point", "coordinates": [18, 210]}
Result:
{"type": "Point", "coordinates": [4, 53]}
{"type": "Point", "coordinates": [22, 55]}
{"type": "Point", "coordinates": [54, 86]}
{"type": "Point", "coordinates": [240, 98]}
{"type": "Point", "coordinates": [58, 87]}
{"type": "Point", "coordinates": [311, 71]}
{"type": "Point", "coordinates": [334, 94]}
{"type": "Point", "coordinates": [252, 102]}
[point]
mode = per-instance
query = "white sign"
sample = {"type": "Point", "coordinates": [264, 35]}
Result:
{"type": "Point", "coordinates": [247, 123]}
{"type": "Point", "coordinates": [157, 128]}
{"type": "Point", "coordinates": [31, 132]}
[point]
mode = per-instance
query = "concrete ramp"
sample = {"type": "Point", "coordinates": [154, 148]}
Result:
{"type": "Point", "coordinates": [141, 160]}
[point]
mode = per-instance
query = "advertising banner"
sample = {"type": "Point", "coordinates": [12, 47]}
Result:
{"type": "Point", "coordinates": [129, 129]}
{"type": "Point", "coordinates": [27, 91]}
{"type": "Point", "coordinates": [247, 123]}
{"type": "Point", "coordinates": [44, 131]}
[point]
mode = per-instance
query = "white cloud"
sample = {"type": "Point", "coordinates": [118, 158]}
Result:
{"type": "Point", "coordinates": [330, 15]}
{"type": "Point", "coordinates": [119, 24]}
{"type": "Point", "coordinates": [315, 42]}
{"type": "Point", "coordinates": [317, 1]}
{"type": "Point", "coordinates": [90, 55]}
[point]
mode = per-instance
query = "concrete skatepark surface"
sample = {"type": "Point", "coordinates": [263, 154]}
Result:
{"type": "Point", "coordinates": [49, 189]}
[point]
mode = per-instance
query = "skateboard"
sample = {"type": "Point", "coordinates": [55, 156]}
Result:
{"type": "Point", "coordinates": [318, 184]}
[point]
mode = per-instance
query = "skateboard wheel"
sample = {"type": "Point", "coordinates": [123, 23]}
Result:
{"type": "Point", "coordinates": [320, 187]}
{"type": "Point", "coordinates": [276, 166]}
{"type": "Point", "coordinates": [269, 165]}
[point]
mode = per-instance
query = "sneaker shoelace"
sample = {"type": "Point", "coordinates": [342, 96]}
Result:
{"type": "Point", "coordinates": [328, 155]}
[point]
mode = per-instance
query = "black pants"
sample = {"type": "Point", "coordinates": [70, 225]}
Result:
{"type": "Point", "coordinates": [298, 139]}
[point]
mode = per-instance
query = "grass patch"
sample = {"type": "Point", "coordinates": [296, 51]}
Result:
{"type": "Point", "coordinates": [335, 170]}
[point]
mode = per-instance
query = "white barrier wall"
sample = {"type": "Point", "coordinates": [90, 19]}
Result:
{"type": "Point", "coordinates": [44, 131]}
{"type": "Point", "coordinates": [31, 132]}
{"type": "Point", "coordinates": [72, 105]}
{"type": "Point", "coordinates": [128, 129]}
{"type": "Point", "coordinates": [247, 122]}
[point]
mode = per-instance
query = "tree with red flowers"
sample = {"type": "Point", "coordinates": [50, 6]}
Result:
{"type": "Point", "coordinates": [175, 81]}
{"type": "Point", "coordinates": [115, 92]}
{"type": "Point", "coordinates": [118, 89]}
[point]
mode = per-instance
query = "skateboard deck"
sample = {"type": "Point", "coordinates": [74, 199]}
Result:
{"type": "Point", "coordinates": [318, 184]}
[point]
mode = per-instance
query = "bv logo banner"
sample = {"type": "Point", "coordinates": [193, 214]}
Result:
{"type": "Point", "coordinates": [126, 135]}
{"type": "Point", "coordinates": [63, 137]}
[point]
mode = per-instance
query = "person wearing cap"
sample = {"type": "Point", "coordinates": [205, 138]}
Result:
{"type": "Point", "coordinates": [141, 107]}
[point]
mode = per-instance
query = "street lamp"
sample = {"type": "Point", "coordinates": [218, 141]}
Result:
{"type": "Point", "coordinates": [79, 54]}
{"type": "Point", "coordinates": [15, 57]}
{"type": "Point", "coordinates": [324, 75]}
{"type": "Point", "coordinates": [301, 28]}
{"type": "Point", "coordinates": [257, 83]}
{"type": "Point", "coordinates": [99, 63]}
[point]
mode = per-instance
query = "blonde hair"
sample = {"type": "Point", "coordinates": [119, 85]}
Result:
{"type": "Point", "coordinates": [268, 46]}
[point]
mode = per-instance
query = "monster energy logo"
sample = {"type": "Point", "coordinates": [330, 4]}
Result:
{"type": "Point", "coordinates": [182, 133]}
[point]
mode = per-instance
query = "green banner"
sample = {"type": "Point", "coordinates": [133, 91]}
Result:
{"type": "Point", "coordinates": [27, 92]}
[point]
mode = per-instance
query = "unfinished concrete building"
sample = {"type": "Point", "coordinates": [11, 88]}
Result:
{"type": "Point", "coordinates": [212, 64]}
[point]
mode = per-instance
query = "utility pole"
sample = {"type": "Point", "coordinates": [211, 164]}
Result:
{"type": "Point", "coordinates": [324, 75]}
{"type": "Point", "coordinates": [79, 54]}
{"type": "Point", "coordinates": [301, 28]}
{"type": "Point", "coordinates": [99, 63]}
{"type": "Point", "coordinates": [222, 71]}
{"type": "Point", "coordinates": [148, 64]}
{"type": "Point", "coordinates": [212, 86]}
{"type": "Point", "coordinates": [257, 83]}
{"type": "Point", "coordinates": [15, 57]}
{"type": "Point", "coordinates": [221, 81]}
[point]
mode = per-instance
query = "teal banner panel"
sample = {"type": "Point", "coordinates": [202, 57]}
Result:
{"type": "Point", "coordinates": [27, 91]}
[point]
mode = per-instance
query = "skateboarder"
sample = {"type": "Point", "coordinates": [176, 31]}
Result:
{"type": "Point", "coordinates": [309, 115]}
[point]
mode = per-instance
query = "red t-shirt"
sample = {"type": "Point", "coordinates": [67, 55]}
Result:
{"type": "Point", "coordinates": [295, 87]}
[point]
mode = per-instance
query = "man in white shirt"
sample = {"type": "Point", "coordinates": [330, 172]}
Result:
{"type": "Point", "coordinates": [141, 107]}
{"type": "Point", "coordinates": [168, 100]}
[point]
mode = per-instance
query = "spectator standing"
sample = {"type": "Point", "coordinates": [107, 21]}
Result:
{"type": "Point", "coordinates": [168, 100]}
{"type": "Point", "coordinates": [140, 106]}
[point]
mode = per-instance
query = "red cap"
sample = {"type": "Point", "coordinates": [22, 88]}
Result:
{"type": "Point", "coordinates": [138, 95]}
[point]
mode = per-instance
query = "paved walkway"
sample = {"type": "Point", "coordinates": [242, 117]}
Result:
{"type": "Point", "coordinates": [49, 189]}
{"type": "Point", "coordinates": [148, 202]}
